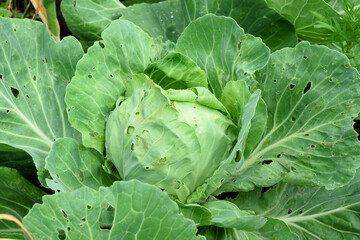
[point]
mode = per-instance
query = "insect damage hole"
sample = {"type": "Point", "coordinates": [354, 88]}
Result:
{"type": "Point", "coordinates": [14, 92]}
{"type": "Point", "coordinates": [307, 87]}
{"type": "Point", "coordinates": [267, 162]}
{"type": "Point", "coordinates": [107, 216]}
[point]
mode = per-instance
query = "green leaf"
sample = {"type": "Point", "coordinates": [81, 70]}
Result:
{"type": "Point", "coordinates": [176, 71]}
{"type": "Point", "coordinates": [273, 229]}
{"type": "Point", "coordinates": [5, 12]}
{"type": "Point", "coordinates": [223, 214]}
{"type": "Point", "coordinates": [132, 2]}
{"type": "Point", "coordinates": [228, 215]}
{"type": "Point", "coordinates": [100, 77]}
{"type": "Point", "coordinates": [73, 166]}
{"type": "Point", "coordinates": [312, 96]}
{"type": "Point", "coordinates": [299, 13]}
{"type": "Point", "coordinates": [224, 55]}
{"type": "Point", "coordinates": [169, 18]}
{"type": "Point", "coordinates": [229, 165]}
{"type": "Point", "coordinates": [236, 94]}
{"type": "Point", "coordinates": [17, 196]}
{"type": "Point", "coordinates": [88, 18]}
{"type": "Point", "coordinates": [276, 229]}
{"type": "Point", "coordinates": [199, 214]}
{"type": "Point", "coordinates": [310, 212]}
{"type": "Point", "coordinates": [8, 148]}
{"type": "Point", "coordinates": [217, 233]}
{"type": "Point", "coordinates": [134, 209]}
{"type": "Point", "coordinates": [33, 80]}
{"type": "Point", "coordinates": [19, 160]}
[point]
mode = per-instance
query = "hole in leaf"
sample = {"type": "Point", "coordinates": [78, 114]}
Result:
{"type": "Point", "coordinates": [147, 167]}
{"type": "Point", "coordinates": [237, 158]}
{"type": "Point", "coordinates": [106, 218]}
{"type": "Point", "coordinates": [68, 229]}
{"type": "Point", "coordinates": [227, 195]}
{"type": "Point", "coordinates": [132, 147]}
{"type": "Point", "coordinates": [292, 168]}
{"type": "Point", "coordinates": [6, 41]}
{"type": "Point", "coordinates": [278, 156]}
{"type": "Point", "coordinates": [64, 213]}
{"type": "Point", "coordinates": [265, 189]}
{"type": "Point", "coordinates": [83, 219]}
{"type": "Point", "coordinates": [305, 57]}
{"type": "Point", "coordinates": [290, 211]}
{"type": "Point", "coordinates": [34, 78]}
{"type": "Point", "coordinates": [89, 76]}
{"type": "Point", "coordinates": [7, 111]}
{"type": "Point", "coordinates": [130, 130]}
{"type": "Point", "coordinates": [61, 234]}
{"type": "Point", "coordinates": [267, 162]}
{"type": "Point", "coordinates": [14, 92]}
{"type": "Point", "coordinates": [274, 80]}
{"type": "Point", "coordinates": [307, 87]}
{"type": "Point", "coordinates": [301, 211]}
{"type": "Point", "coordinates": [0, 76]}
{"type": "Point", "coordinates": [293, 119]}
{"type": "Point", "coordinates": [111, 75]}
{"type": "Point", "coordinates": [88, 207]}
{"type": "Point", "coordinates": [292, 86]}
{"type": "Point", "coordinates": [101, 45]}
{"type": "Point", "coordinates": [312, 146]}
{"type": "Point", "coordinates": [137, 113]}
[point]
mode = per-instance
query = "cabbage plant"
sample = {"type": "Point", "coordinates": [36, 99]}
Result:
{"type": "Point", "coordinates": [208, 136]}
{"type": "Point", "coordinates": [173, 139]}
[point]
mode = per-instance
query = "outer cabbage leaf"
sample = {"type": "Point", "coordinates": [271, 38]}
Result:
{"type": "Point", "coordinates": [169, 18]}
{"type": "Point", "coordinates": [174, 141]}
{"type": "Point", "coordinates": [300, 14]}
{"type": "Point", "coordinates": [310, 212]}
{"type": "Point", "coordinates": [312, 97]}
{"type": "Point", "coordinates": [273, 229]}
{"type": "Point", "coordinates": [8, 148]}
{"type": "Point", "coordinates": [100, 77]}
{"type": "Point", "coordinates": [21, 161]}
{"type": "Point", "coordinates": [228, 215]}
{"type": "Point", "coordinates": [87, 19]}
{"type": "Point", "coordinates": [73, 166]}
{"type": "Point", "coordinates": [32, 87]}
{"type": "Point", "coordinates": [17, 196]}
{"type": "Point", "coordinates": [126, 210]}
{"type": "Point", "coordinates": [224, 55]}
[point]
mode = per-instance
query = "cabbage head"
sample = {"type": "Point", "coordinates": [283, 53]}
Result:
{"type": "Point", "coordinates": [174, 139]}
